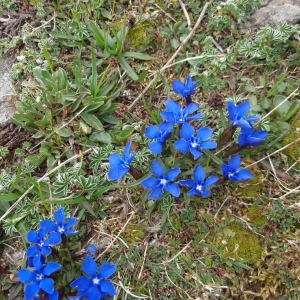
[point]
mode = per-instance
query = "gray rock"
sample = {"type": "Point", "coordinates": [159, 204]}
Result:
{"type": "Point", "coordinates": [7, 92]}
{"type": "Point", "coordinates": [275, 11]}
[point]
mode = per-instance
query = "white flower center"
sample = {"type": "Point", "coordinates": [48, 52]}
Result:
{"type": "Point", "coordinates": [61, 229]}
{"type": "Point", "coordinates": [163, 181]}
{"type": "Point", "coordinates": [194, 144]}
{"type": "Point", "coordinates": [39, 277]}
{"type": "Point", "coordinates": [96, 280]}
{"type": "Point", "coordinates": [199, 187]}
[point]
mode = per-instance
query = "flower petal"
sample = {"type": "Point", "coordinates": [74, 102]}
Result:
{"type": "Point", "coordinates": [71, 222]}
{"type": "Point", "coordinates": [244, 174]}
{"type": "Point", "coordinates": [187, 131]}
{"type": "Point", "coordinates": [191, 108]}
{"type": "Point", "coordinates": [208, 145]}
{"type": "Point", "coordinates": [60, 216]}
{"type": "Point", "coordinates": [117, 173]}
{"type": "Point", "coordinates": [231, 110]}
{"type": "Point", "coordinates": [25, 275]}
{"type": "Point", "coordinates": [188, 182]}
{"type": "Point", "coordinates": [115, 159]}
{"type": "Point", "coordinates": [107, 287]}
{"type": "Point", "coordinates": [53, 239]}
{"type": "Point", "coordinates": [47, 225]}
{"type": "Point", "coordinates": [93, 293]}
{"type": "Point", "coordinates": [152, 132]}
{"type": "Point", "coordinates": [32, 236]}
{"type": "Point", "coordinates": [235, 162]}
{"type": "Point", "coordinates": [199, 174]}
{"type": "Point", "coordinates": [182, 146]}
{"type": "Point", "coordinates": [89, 266]}
{"type": "Point", "coordinates": [127, 149]}
{"type": "Point", "coordinates": [210, 181]}
{"type": "Point", "coordinates": [31, 290]}
{"type": "Point", "coordinates": [173, 173]}
{"type": "Point", "coordinates": [32, 251]}
{"type": "Point", "coordinates": [169, 116]}
{"type": "Point", "coordinates": [150, 182]}
{"type": "Point", "coordinates": [195, 153]}
{"type": "Point", "coordinates": [242, 123]}
{"type": "Point", "coordinates": [242, 109]}
{"type": "Point", "coordinates": [156, 147]}
{"type": "Point", "coordinates": [155, 193]}
{"type": "Point", "coordinates": [172, 106]}
{"type": "Point", "coordinates": [51, 267]}
{"type": "Point", "coordinates": [204, 133]}
{"type": "Point", "coordinates": [178, 86]}
{"type": "Point", "coordinates": [157, 169]}
{"type": "Point", "coordinates": [107, 269]}
{"type": "Point", "coordinates": [173, 189]}
{"type": "Point", "coordinates": [47, 285]}
{"type": "Point", "coordinates": [81, 283]}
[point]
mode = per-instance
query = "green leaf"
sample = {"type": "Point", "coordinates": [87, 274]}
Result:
{"type": "Point", "coordinates": [110, 119]}
{"type": "Point", "coordinates": [126, 67]}
{"type": "Point", "coordinates": [98, 33]}
{"type": "Point", "coordinates": [137, 55]}
{"type": "Point", "coordinates": [215, 158]}
{"type": "Point", "coordinates": [102, 137]}
{"type": "Point", "coordinates": [294, 108]}
{"type": "Point", "coordinates": [9, 197]}
{"type": "Point", "coordinates": [64, 132]}
{"type": "Point", "coordinates": [92, 120]}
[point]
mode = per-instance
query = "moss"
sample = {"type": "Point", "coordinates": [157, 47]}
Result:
{"type": "Point", "coordinates": [139, 35]}
{"type": "Point", "coordinates": [238, 243]}
{"type": "Point", "coordinates": [252, 188]}
{"type": "Point", "coordinates": [255, 215]}
{"type": "Point", "coordinates": [293, 151]}
{"type": "Point", "coordinates": [135, 233]}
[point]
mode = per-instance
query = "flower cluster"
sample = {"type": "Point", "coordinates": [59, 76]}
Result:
{"type": "Point", "coordinates": [193, 140]}
{"type": "Point", "coordinates": [38, 276]}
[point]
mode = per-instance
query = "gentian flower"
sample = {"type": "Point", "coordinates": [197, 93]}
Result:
{"type": "Point", "coordinates": [159, 134]}
{"type": "Point", "coordinates": [233, 172]}
{"type": "Point", "coordinates": [61, 225]}
{"type": "Point", "coordinates": [185, 89]}
{"type": "Point", "coordinates": [37, 280]}
{"type": "Point", "coordinates": [43, 240]}
{"type": "Point", "coordinates": [238, 112]}
{"type": "Point", "coordinates": [250, 137]}
{"type": "Point", "coordinates": [191, 142]}
{"type": "Point", "coordinates": [95, 285]}
{"type": "Point", "coordinates": [177, 115]}
{"type": "Point", "coordinates": [120, 165]}
{"type": "Point", "coordinates": [163, 182]}
{"type": "Point", "coordinates": [200, 186]}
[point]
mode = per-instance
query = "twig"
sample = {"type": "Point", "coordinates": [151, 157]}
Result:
{"type": "Point", "coordinates": [41, 179]}
{"type": "Point", "coordinates": [167, 14]}
{"type": "Point", "coordinates": [116, 237]}
{"type": "Point", "coordinates": [131, 294]}
{"type": "Point", "coordinates": [143, 262]}
{"type": "Point", "coordinates": [281, 103]}
{"type": "Point", "coordinates": [295, 190]}
{"type": "Point", "coordinates": [135, 101]}
{"type": "Point", "coordinates": [186, 14]}
{"type": "Point", "coordinates": [277, 151]}
{"type": "Point", "coordinates": [41, 26]}
{"type": "Point", "coordinates": [216, 214]}
{"type": "Point", "coordinates": [177, 254]}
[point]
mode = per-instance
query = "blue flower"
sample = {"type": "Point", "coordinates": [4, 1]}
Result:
{"type": "Point", "coordinates": [177, 115]}
{"type": "Point", "coordinates": [200, 186]}
{"type": "Point", "coordinates": [91, 249]}
{"type": "Point", "coordinates": [250, 137]}
{"type": "Point", "coordinates": [120, 165]}
{"type": "Point", "coordinates": [37, 280]}
{"type": "Point", "coordinates": [159, 134]}
{"type": "Point", "coordinates": [61, 225]}
{"type": "Point", "coordinates": [192, 143]}
{"type": "Point", "coordinates": [233, 172]}
{"type": "Point", "coordinates": [163, 182]}
{"type": "Point", "coordinates": [43, 240]}
{"type": "Point", "coordinates": [238, 112]}
{"type": "Point", "coordinates": [95, 285]}
{"type": "Point", "coordinates": [184, 89]}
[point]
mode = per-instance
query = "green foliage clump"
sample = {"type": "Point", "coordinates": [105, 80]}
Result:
{"type": "Point", "coordinates": [238, 243]}
{"type": "Point", "coordinates": [254, 214]}
{"type": "Point", "coordinates": [293, 151]}
{"type": "Point", "coordinates": [139, 35]}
